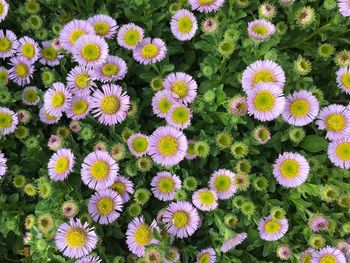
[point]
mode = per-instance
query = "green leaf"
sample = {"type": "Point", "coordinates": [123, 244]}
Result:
{"type": "Point", "coordinates": [314, 143]}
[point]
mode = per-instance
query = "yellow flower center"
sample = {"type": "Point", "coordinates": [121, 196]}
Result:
{"type": "Point", "coordinates": [222, 183]}
{"type": "Point", "coordinates": [4, 76]}
{"type": "Point", "coordinates": [49, 53]}
{"type": "Point", "coordinates": [110, 70]}
{"type": "Point", "coordinates": [22, 70]}
{"type": "Point", "coordinates": [76, 237]}
{"type": "Point", "coordinates": [58, 100]}
{"type": "Point", "coordinates": [204, 258]}
{"type": "Point", "coordinates": [150, 51]}
{"type": "Point", "coordinates": [306, 258]}
{"type": "Point", "coordinates": [180, 115]}
{"type": "Point", "coordinates": [5, 120]}
{"type": "Point", "coordinates": [260, 30]}
{"type": "Point", "coordinates": [345, 80]}
{"type": "Point", "coordinates": [299, 108]}
{"type": "Point", "coordinates": [206, 2]}
{"type": "Point", "coordinates": [166, 185]}
{"type": "Point", "coordinates": [206, 198]}
{"type": "Point", "coordinates": [119, 188]}
{"type": "Point", "coordinates": [77, 33]}
{"type": "Point", "coordinates": [140, 144]}
{"type": "Point", "coordinates": [185, 24]}
{"type": "Point", "coordinates": [263, 76]}
{"type": "Point", "coordinates": [167, 146]}
{"type": "Point", "coordinates": [272, 226]}
{"type": "Point", "coordinates": [1, 8]}
{"type": "Point", "coordinates": [91, 52]}
{"type": "Point", "coordinates": [143, 235]}
{"type": "Point", "coordinates": [82, 81]}
{"type": "Point", "coordinates": [343, 151]}
{"type": "Point", "coordinates": [28, 50]}
{"type": "Point", "coordinates": [99, 170]}
{"type": "Point", "coordinates": [105, 206]}
{"type": "Point", "coordinates": [62, 165]}
{"type": "Point", "coordinates": [50, 117]}
{"type": "Point", "coordinates": [180, 219]}
{"type": "Point", "coordinates": [164, 105]}
{"type": "Point", "coordinates": [80, 107]}
{"type": "Point", "coordinates": [335, 122]}
{"type": "Point", "coordinates": [101, 28]}
{"type": "Point", "coordinates": [132, 37]}
{"type": "Point", "coordinates": [110, 104]}
{"type": "Point", "coordinates": [5, 44]}
{"type": "Point", "coordinates": [328, 259]}
{"type": "Point", "coordinates": [290, 168]}
{"type": "Point", "coordinates": [180, 88]}
{"type": "Point", "coordinates": [190, 149]}
{"type": "Point", "coordinates": [264, 101]}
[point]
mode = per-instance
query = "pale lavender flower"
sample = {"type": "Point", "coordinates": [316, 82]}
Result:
{"type": "Point", "coordinates": [207, 255]}
{"type": "Point", "coordinates": [72, 31]}
{"type": "Point", "coordinates": [114, 68]}
{"type": "Point", "coordinates": [339, 152]}
{"type": "Point", "coordinates": [8, 43]}
{"type": "Point", "coordinates": [222, 182]}
{"type": "Point", "coordinates": [61, 164]}
{"type": "Point", "coordinates": [57, 99]}
{"type": "Point", "coordinates": [272, 229]}
{"type": "Point", "coordinates": [261, 29]}
{"type": "Point", "coordinates": [183, 25]}
{"type": "Point", "coordinates": [104, 25]}
{"type": "Point", "coordinates": [129, 36]}
{"type": "Point", "coordinates": [206, 6]}
{"type": "Point", "coordinates": [21, 71]}
{"type": "Point", "coordinates": [150, 51]}
{"type": "Point", "coordinates": [164, 185]}
{"type": "Point", "coordinates": [233, 241]}
{"type": "Point", "coordinates": [8, 121]}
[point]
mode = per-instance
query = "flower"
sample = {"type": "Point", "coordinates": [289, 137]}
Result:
{"type": "Point", "coordinates": [181, 219]}
{"type": "Point", "coordinates": [89, 259]}
{"type": "Point", "coordinates": [90, 50]}
{"type": "Point", "coordinates": [183, 25]}
{"type": "Point", "coordinates": [4, 8]}
{"type": "Point", "coordinates": [110, 105]}
{"type": "Point", "coordinates": [49, 55]}
{"type": "Point", "coordinates": [114, 68]}
{"type": "Point", "coordinates": [343, 5]}
{"type": "Point", "coordinates": [267, 10]}
{"type": "Point", "coordinates": [55, 142]}
{"type": "Point", "coordinates": [45, 117]}
{"type": "Point", "coordinates": [164, 186]}
{"type": "Point", "coordinates": [167, 146]}
{"type": "Point", "coordinates": [174, 255]}
{"type": "Point", "coordinates": [21, 71]}
{"type": "Point", "coordinates": [222, 182]}
{"type": "Point", "coordinates": [261, 134]}
{"type": "Point", "coordinates": [61, 164]}
{"type": "Point", "coordinates": [209, 25]}
{"type": "Point", "coordinates": [233, 241]}
{"type": "Point", "coordinates": [305, 16]}
{"type": "Point", "coordinates": [69, 209]}
{"type": "Point", "coordinates": [4, 75]}
{"type": "Point", "coordinates": [99, 170]}
{"type": "Point", "coordinates": [207, 255]}
{"type": "Point", "coordinates": [291, 169]}
{"type": "Point", "coordinates": [138, 144]}
{"type": "Point", "coordinates": [343, 77]}
{"type": "Point", "coordinates": [75, 239]}
{"type": "Point", "coordinates": [150, 51]}
{"type": "Point", "coordinates": [301, 108]}
{"type": "Point", "coordinates": [328, 254]}
{"type": "Point", "coordinates": [262, 71]}
{"type": "Point", "coordinates": [104, 25]}
{"type": "Point", "coordinates": [72, 31]}
{"type": "Point", "coordinates": [206, 6]}
{"type": "Point", "coordinates": [182, 86]}
{"type": "Point", "coordinates": [57, 99]}
{"type": "Point", "coordinates": [306, 256]}
{"type": "Point", "coordinates": [260, 29]}
{"type": "Point", "coordinates": [124, 187]}
{"type": "Point", "coordinates": [335, 119]}
{"type": "Point", "coordinates": [339, 152]}
{"type": "Point", "coordinates": [284, 252]}
{"type": "Point", "coordinates": [3, 166]}
{"type": "Point", "coordinates": [318, 223]}
{"type": "Point", "coordinates": [139, 235]}
{"type": "Point", "coordinates": [272, 229]}
{"type": "Point", "coordinates": [79, 107]}
{"type": "Point", "coordinates": [179, 116]}
{"type": "Point", "coordinates": [30, 96]}
{"type": "Point", "coordinates": [8, 121]}
{"type": "Point", "coordinates": [238, 106]}
{"type": "Point", "coordinates": [105, 206]}
{"type": "Point", "coordinates": [205, 199]}
{"type": "Point", "coordinates": [28, 49]}
{"type": "Point", "coordinates": [129, 36]}
{"type": "Point", "coordinates": [8, 42]}
{"type": "Point", "coordinates": [80, 80]}
{"type": "Point", "coordinates": [162, 102]}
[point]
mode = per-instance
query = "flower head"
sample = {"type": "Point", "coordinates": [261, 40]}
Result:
{"type": "Point", "coordinates": [4, 8]}
{"type": "Point", "coordinates": [49, 55]}
{"type": "Point", "coordinates": [339, 152]}
{"type": "Point", "coordinates": [21, 71]}
{"type": "Point", "coordinates": [57, 99]}
{"type": "Point", "coordinates": [206, 6]}
{"type": "Point", "coordinates": [138, 144]}
{"type": "Point", "coordinates": [8, 43]}
{"type": "Point", "coordinates": [8, 121]}
{"type": "Point", "coordinates": [79, 108]}
{"type": "Point", "coordinates": [261, 29]}
{"type": "Point", "coordinates": [129, 36]}
{"type": "Point", "coordinates": [162, 102]}
{"type": "Point", "coordinates": [30, 96]}
{"type": "Point", "coordinates": [272, 229]}
{"type": "Point", "coordinates": [28, 49]}
{"type": "Point", "coordinates": [150, 51]}
{"type": "Point", "coordinates": [114, 68]}
{"type": "Point", "coordinates": [344, 7]}
{"type": "Point", "coordinates": [124, 187]}
{"type": "Point", "coordinates": [183, 25]}
{"type": "Point", "coordinates": [343, 78]}
{"type": "Point", "coordinates": [205, 199]}
{"type": "Point", "coordinates": [233, 241]}
{"type": "Point", "coordinates": [222, 182]}
{"type": "Point", "coordinates": [72, 31]}
{"type": "Point", "coordinates": [328, 254]}
{"type": "Point", "coordinates": [164, 186]}
{"type": "Point", "coordinates": [207, 255]}
{"type": "Point", "coordinates": [61, 164]}
{"type": "Point", "coordinates": [104, 25]}
{"type": "Point", "coordinates": [179, 116]}
{"type": "Point", "coordinates": [80, 80]}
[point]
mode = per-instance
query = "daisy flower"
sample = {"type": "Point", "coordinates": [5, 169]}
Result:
{"type": "Point", "coordinates": [57, 99]}
{"type": "Point", "coordinates": [28, 49]}
{"type": "Point", "coordinates": [291, 169]}
{"type": "Point", "coordinates": [4, 76]}
{"type": "Point", "coordinates": [266, 101]}
{"type": "Point", "coordinates": [79, 107]}
{"type": "Point", "coordinates": [124, 187]}
{"type": "Point", "coordinates": [191, 153]}
{"type": "Point", "coordinates": [206, 6]}
{"type": "Point", "coordinates": [89, 259]}
{"type": "Point", "coordinates": [55, 142]}
{"type": "Point", "coordinates": [129, 36]}
{"type": "Point", "coordinates": [301, 108]}
{"type": "Point", "coordinates": [47, 118]}
{"type": "Point", "coordinates": [8, 121]}
{"type": "Point", "coordinates": [183, 25]}
{"type": "Point", "coordinates": [179, 116]}
{"type": "Point", "coordinates": [205, 199]}
{"type": "Point", "coordinates": [30, 96]}
{"type": "Point", "coordinates": [344, 247]}
{"type": "Point", "coordinates": [150, 51]}
{"type": "Point", "coordinates": [284, 252]}
{"type": "Point", "coordinates": [238, 106]}
{"type": "Point", "coordinates": [263, 71]}
{"type": "Point", "coordinates": [272, 229]}
{"type": "Point", "coordinates": [110, 105]}
{"type": "Point", "coordinates": [90, 50]}
{"type": "Point", "coordinates": [4, 8]}
{"type": "Point", "coordinates": [164, 186]}
{"type": "Point", "coordinates": [49, 55]}
{"type": "Point", "coordinates": [8, 43]}
{"type": "Point", "coordinates": [328, 254]}
{"type": "Point", "coordinates": [339, 153]}
{"type": "Point", "coordinates": [72, 31]}
{"type": "Point", "coordinates": [261, 29]}
{"type": "Point", "coordinates": [343, 5]}
{"type": "Point", "coordinates": [261, 134]}
{"type": "Point", "coordinates": [174, 254]}
{"type": "Point", "coordinates": [138, 144]}
{"type": "Point", "coordinates": [3, 166]}
{"type": "Point", "coordinates": [162, 101]}
{"type": "Point", "coordinates": [222, 182]}
{"type": "Point", "coordinates": [99, 170]}
{"type": "Point", "coordinates": [167, 146]}
{"type": "Point", "coordinates": [343, 76]}
{"type": "Point", "coordinates": [139, 235]}
{"type": "Point", "coordinates": [306, 256]}
{"type": "Point", "coordinates": [114, 68]}
{"type": "Point", "coordinates": [335, 119]}
{"type": "Point", "coordinates": [207, 255]}
{"type": "Point", "coordinates": [104, 25]}
{"type": "Point", "coordinates": [80, 80]}
{"type": "Point", "coordinates": [233, 241]}
{"type": "Point", "coordinates": [318, 223]}
{"type": "Point", "coordinates": [105, 206]}
{"type": "Point", "coordinates": [61, 164]}
{"type": "Point", "coordinates": [182, 86]}
{"type": "Point", "coordinates": [181, 219]}
{"type": "Point", "coordinates": [21, 71]}
{"type": "Point", "coordinates": [75, 239]}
